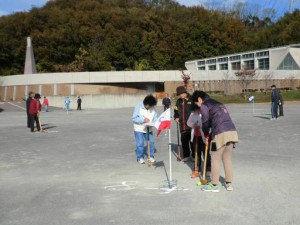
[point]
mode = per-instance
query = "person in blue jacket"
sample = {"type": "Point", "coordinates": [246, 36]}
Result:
{"type": "Point", "coordinates": [143, 114]}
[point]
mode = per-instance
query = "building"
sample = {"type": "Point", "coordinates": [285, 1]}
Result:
{"type": "Point", "coordinates": [279, 58]}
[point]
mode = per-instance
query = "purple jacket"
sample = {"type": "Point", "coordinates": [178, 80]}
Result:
{"type": "Point", "coordinates": [215, 116]}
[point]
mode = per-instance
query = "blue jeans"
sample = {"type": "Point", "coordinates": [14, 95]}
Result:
{"type": "Point", "coordinates": [140, 139]}
{"type": "Point", "coordinates": [274, 109]}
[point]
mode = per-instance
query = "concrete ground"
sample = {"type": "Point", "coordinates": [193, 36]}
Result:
{"type": "Point", "coordinates": [83, 170]}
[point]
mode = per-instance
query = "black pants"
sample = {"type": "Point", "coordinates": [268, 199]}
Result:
{"type": "Point", "coordinates": [186, 143]}
{"type": "Point", "coordinates": [36, 119]}
{"type": "Point", "coordinates": [201, 151]}
{"type": "Point", "coordinates": [28, 120]}
{"type": "Point", "coordinates": [79, 106]}
{"type": "Point", "coordinates": [280, 110]}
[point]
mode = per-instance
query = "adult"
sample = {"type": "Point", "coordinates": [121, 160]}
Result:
{"type": "Point", "coordinates": [34, 111]}
{"type": "Point", "coordinates": [182, 112]}
{"type": "Point", "coordinates": [79, 101]}
{"type": "Point", "coordinates": [28, 100]}
{"type": "Point", "coordinates": [275, 97]}
{"type": "Point", "coordinates": [144, 112]}
{"type": "Point", "coordinates": [46, 103]}
{"type": "Point", "coordinates": [166, 102]}
{"type": "Point", "coordinates": [280, 104]}
{"type": "Point", "coordinates": [217, 123]}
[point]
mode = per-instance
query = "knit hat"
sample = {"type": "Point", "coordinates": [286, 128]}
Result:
{"type": "Point", "coordinates": [180, 90]}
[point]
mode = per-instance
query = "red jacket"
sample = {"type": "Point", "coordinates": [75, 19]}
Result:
{"type": "Point", "coordinates": [45, 102]}
{"type": "Point", "coordinates": [34, 107]}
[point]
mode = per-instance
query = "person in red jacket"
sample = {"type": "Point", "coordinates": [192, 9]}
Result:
{"type": "Point", "coordinates": [34, 111]}
{"type": "Point", "coordinates": [46, 103]}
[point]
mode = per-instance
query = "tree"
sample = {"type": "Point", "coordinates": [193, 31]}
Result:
{"type": "Point", "coordinates": [245, 77]}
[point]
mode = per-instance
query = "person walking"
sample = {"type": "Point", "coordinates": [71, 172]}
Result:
{"type": "Point", "coordinates": [280, 104]}
{"type": "Point", "coordinates": [216, 118]}
{"type": "Point", "coordinates": [166, 102]}
{"type": "Point", "coordinates": [67, 104]}
{"type": "Point", "coordinates": [144, 112]}
{"type": "Point", "coordinates": [275, 97]}
{"type": "Point", "coordinates": [28, 100]}
{"type": "Point", "coordinates": [79, 103]}
{"type": "Point", "coordinates": [45, 103]}
{"type": "Point", "coordinates": [182, 112]}
{"type": "Point", "coordinates": [35, 108]}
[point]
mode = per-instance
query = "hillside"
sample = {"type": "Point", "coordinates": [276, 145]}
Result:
{"type": "Point", "coordinates": [104, 35]}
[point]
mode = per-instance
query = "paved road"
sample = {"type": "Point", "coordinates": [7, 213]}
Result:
{"type": "Point", "coordinates": [83, 171]}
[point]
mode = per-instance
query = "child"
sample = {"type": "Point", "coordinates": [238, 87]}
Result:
{"type": "Point", "coordinates": [197, 135]}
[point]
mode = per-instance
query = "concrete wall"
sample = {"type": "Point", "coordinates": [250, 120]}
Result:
{"type": "Point", "coordinates": [112, 89]}
{"type": "Point", "coordinates": [99, 101]}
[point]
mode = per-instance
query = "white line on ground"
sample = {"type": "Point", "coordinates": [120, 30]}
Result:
{"type": "Point", "coordinates": [16, 105]}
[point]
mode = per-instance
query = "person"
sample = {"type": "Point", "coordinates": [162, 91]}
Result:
{"type": "Point", "coordinates": [197, 135]}
{"type": "Point", "coordinates": [28, 100]}
{"type": "Point", "coordinates": [34, 111]}
{"type": "Point", "coordinates": [79, 103]}
{"type": "Point", "coordinates": [182, 112]}
{"type": "Point", "coordinates": [280, 104]}
{"type": "Point", "coordinates": [46, 103]}
{"type": "Point", "coordinates": [275, 102]}
{"type": "Point", "coordinates": [166, 102]}
{"type": "Point", "coordinates": [67, 104]}
{"type": "Point", "coordinates": [144, 112]}
{"type": "Point", "coordinates": [217, 124]}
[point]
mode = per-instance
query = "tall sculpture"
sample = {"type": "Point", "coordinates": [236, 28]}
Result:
{"type": "Point", "coordinates": [30, 67]}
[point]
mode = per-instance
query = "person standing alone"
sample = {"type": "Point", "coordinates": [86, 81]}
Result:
{"type": "Point", "coordinates": [79, 103]}
{"type": "Point", "coordinates": [275, 97]}
{"type": "Point", "coordinates": [166, 102]}
{"type": "Point", "coordinates": [46, 103]}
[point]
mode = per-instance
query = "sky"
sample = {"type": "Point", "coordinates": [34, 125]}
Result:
{"type": "Point", "coordinates": [281, 6]}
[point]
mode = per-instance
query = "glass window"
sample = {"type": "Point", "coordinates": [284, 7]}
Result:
{"type": "Point", "coordinates": [261, 54]}
{"type": "Point", "coordinates": [201, 68]}
{"type": "Point", "coordinates": [201, 63]}
{"type": "Point", "coordinates": [236, 65]}
{"type": "Point", "coordinates": [225, 59]}
{"type": "Point", "coordinates": [224, 66]}
{"type": "Point", "coordinates": [288, 63]}
{"type": "Point", "coordinates": [248, 56]}
{"type": "Point", "coordinates": [235, 58]}
{"type": "Point", "coordinates": [249, 65]}
{"type": "Point", "coordinates": [211, 61]}
{"type": "Point", "coordinates": [263, 64]}
{"type": "Point", "coordinates": [212, 67]}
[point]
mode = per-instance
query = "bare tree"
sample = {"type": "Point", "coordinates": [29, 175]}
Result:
{"type": "Point", "coordinates": [291, 80]}
{"type": "Point", "coordinates": [186, 78]}
{"type": "Point", "coordinates": [226, 83]}
{"type": "Point", "coordinates": [245, 77]}
{"type": "Point", "coordinates": [267, 78]}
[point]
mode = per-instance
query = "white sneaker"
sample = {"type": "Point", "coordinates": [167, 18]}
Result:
{"type": "Point", "coordinates": [152, 160]}
{"type": "Point", "coordinates": [141, 161]}
{"type": "Point", "coordinates": [185, 159]}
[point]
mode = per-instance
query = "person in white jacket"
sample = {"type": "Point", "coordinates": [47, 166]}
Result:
{"type": "Point", "coordinates": [195, 122]}
{"type": "Point", "coordinates": [144, 113]}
